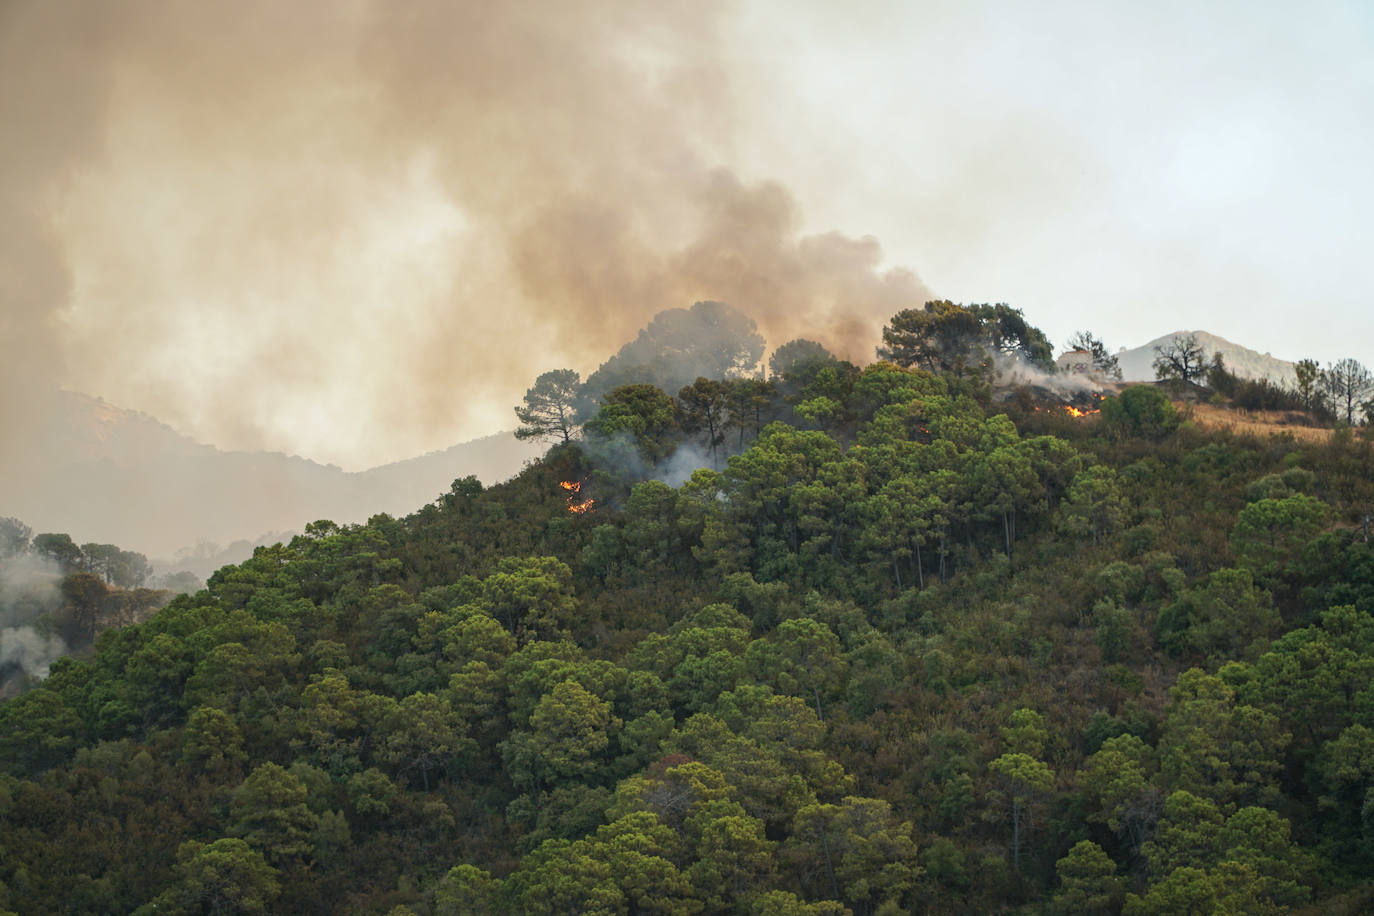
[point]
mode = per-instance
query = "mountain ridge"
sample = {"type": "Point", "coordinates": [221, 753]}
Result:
{"type": "Point", "coordinates": [109, 474]}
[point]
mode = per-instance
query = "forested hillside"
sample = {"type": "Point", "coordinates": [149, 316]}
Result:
{"type": "Point", "coordinates": [904, 643]}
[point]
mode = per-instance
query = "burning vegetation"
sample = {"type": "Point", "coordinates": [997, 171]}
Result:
{"type": "Point", "coordinates": [1043, 399]}
{"type": "Point", "coordinates": [577, 505]}
{"type": "Point", "coordinates": [1071, 410]}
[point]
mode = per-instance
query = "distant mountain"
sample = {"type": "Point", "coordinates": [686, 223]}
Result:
{"type": "Point", "coordinates": [102, 473]}
{"type": "Point", "coordinates": [1137, 365]}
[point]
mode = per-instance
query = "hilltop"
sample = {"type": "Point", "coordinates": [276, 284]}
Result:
{"type": "Point", "coordinates": [1137, 363]}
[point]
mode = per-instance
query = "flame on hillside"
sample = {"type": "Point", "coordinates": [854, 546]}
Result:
{"type": "Point", "coordinates": [576, 506]}
{"type": "Point", "coordinates": [1054, 398]}
{"type": "Point", "coordinates": [1070, 410]}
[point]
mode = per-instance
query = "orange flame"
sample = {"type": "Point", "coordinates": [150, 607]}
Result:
{"type": "Point", "coordinates": [1068, 409]}
{"type": "Point", "coordinates": [572, 488]}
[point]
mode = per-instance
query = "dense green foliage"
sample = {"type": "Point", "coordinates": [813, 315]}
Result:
{"type": "Point", "coordinates": [905, 653]}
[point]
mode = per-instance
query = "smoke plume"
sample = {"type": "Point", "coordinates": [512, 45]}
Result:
{"type": "Point", "coordinates": [28, 650]}
{"type": "Point", "coordinates": [1011, 371]}
{"type": "Point", "coordinates": [29, 588]}
{"type": "Point", "coordinates": [358, 231]}
{"type": "Point", "coordinates": [688, 458]}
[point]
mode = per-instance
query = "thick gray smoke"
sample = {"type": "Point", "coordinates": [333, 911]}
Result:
{"type": "Point", "coordinates": [54, 117]}
{"type": "Point", "coordinates": [358, 231]}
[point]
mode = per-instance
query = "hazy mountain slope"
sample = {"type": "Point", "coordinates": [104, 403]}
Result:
{"type": "Point", "coordinates": [1138, 364]}
{"type": "Point", "coordinates": [415, 481]}
{"type": "Point", "coordinates": [105, 474]}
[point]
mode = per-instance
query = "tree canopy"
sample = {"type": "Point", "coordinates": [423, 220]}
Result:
{"type": "Point", "coordinates": [1182, 358]}
{"type": "Point", "coordinates": [550, 407]}
{"type": "Point", "coordinates": [945, 337]}
{"type": "Point", "coordinates": [1348, 384]}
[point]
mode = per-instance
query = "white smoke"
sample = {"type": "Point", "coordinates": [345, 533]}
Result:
{"type": "Point", "coordinates": [689, 457]}
{"type": "Point", "coordinates": [31, 651]}
{"type": "Point", "coordinates": [619, 454]}
{"type": "Point", "coordinates": [1011, 371]}
{"type": "Point", "coordinates": [29, 588]}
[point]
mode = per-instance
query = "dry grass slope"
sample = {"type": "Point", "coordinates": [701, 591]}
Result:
{"type": "Point", "coordinates": [1257, 422]}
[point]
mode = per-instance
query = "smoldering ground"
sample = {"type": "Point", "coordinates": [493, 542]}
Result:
{"type": "Point", "coordinates": [358, 231]}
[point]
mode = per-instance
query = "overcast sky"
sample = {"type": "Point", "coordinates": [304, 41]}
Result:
{"type": "Point", "coordinates": [358, 231]}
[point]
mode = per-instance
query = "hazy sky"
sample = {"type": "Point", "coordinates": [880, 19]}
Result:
{"type": "Point", "coordinates": [357, 231]}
